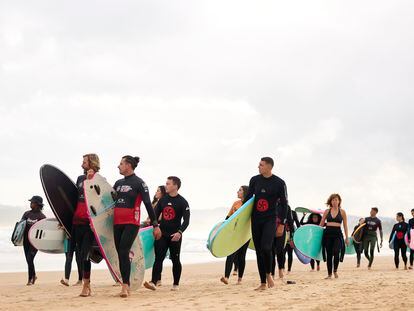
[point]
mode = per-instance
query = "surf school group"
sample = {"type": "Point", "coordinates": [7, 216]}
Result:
{"type": "Point", "coordinates": [97, 221]}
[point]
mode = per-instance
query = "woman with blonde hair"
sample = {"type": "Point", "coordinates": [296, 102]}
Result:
{"type": "Point", "coordinates": [333, 246]}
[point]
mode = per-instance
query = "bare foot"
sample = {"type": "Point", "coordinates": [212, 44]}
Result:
{"type": "Point", "coordinates": [239, 281]}
{"type": "Point", "coordinates": [318, 268]}
{"type": "Point", "coordinates": [78, 283]}
{"type": "Point", "coordinates": [224, 280]}
{"type": "Point", "coordinates": [175, 288]}
{"type": "Point", "coordinates": [281, 274]}
{"type": "Point", "coordinates": [64, 282]}
{"type": "Point", "coordinates": [158, 283]}
{"type": "Point", "coordinates": [124, 291]}
{"type": "Point", "coordinates": [150, 285]}
{"type": "Point", "coordinates": [234, 272]}
{"type": "Point", "coordinates": [410, 267]}
{"type": "Point", "coordinates": [261, 287]}
{"type": "Point", "coordinates": [329, 277]}
{"type": "Point", "coordinates": [405, 267]}
{"type": "Point", "coordinates": [270, 282]}
{"type": "Point", "coordinates": [336, 275]}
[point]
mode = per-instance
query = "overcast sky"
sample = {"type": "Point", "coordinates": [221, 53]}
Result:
{"type": "Point", "coordinates": [203, 89]}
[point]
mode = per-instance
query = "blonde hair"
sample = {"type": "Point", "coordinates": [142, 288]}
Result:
{"type": "Point", "coordinates": [93, 159]}
{"type": "Point", "coordinates": [334, 196]}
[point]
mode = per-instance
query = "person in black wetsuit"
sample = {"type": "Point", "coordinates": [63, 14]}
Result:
{"type": "Point", "coordinates": [81, 230]}
{"type": "Point", "coordinates": [333, 245]}
{"type": "Point", "coordinates": [69, 246]}
{"type": "Point", "coordinates": [358, 246]}
{"type": "Point", "coordinates": [411, 226]}
{"type": "Point", "coordinates": [313, 219]}
{"type": "Point", "coordinates": [270, 203]}
{"type": "Point", "coordinates": [131, 191]}
{"type": "Point", "coordinates": [34, 215]}
{"type": "Point", "coordinates": [281, 250]}
{"type": "Point", "coordinates": [175, 213]}
{"type": "Point", "coordinates": [399, 230]}
{"type": "Point", "coordinates": [369, 239]}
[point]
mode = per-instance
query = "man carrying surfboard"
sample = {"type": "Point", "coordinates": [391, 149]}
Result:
{"type": "Point", "coordinates": [270, 203]}
{"type": "Point", "coordinates": [175, 219]}
{"type": "Point", "coordinates": [370, 239]}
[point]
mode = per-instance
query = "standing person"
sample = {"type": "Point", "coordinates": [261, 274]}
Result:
{"type": "Point", "coordinates": [131, 192]}
{"type": "Point", "coordinates": [333, 247]}
{"type": "Point", "coordinates": [370, 239]}
{"type": "Point", "coordinates": [32, 216]}
{"type": "Point", "coordinates": [411, 226]}
{"type": "Point", "coordinates": [358, 246]}
{"type": "Point", "coordinates": [175, 219]}
{"type": "Point", "coordinates": [69, 246]}
{"type": "Point", "coordinates": [81, 230]}
{"type": "Point", "coordinates": [238, 256]}
{"type": "Point", "coordinates": [158, 195]}
{"type": "Point", "coordinates": [399, 229]}
{"type": "Point", "coordinates": [313, 219]}
{"type": "Point", "coordinates": [270, 202]}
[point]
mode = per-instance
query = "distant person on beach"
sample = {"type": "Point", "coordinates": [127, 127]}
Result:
{"type": "Point", "coordinates": [81, 230]}
{"type": "Point", "coordinates": [358, 246]}
{"type": "Point", "coordinates": [333, 245]}
{"type": "Point", "coordinates": [369, 238]}
{"type": "Point", "coordinates": [69, 246]}
{"type": "Point", "coordinates": [313, 219]}
{"type": "Point", "coordinates": [240, 254]}
{"type": "Point", "coordinates": [131, 191]}
{"type": "Point", "coordinates": [411, 226]}
{"type": "Point", "coordinates": [270, 202]}
{"type": "Point", "coordinates": [32, 216]}
{"type": "Point", "coordinates": [399, 230]}
{"type": "Point", "coordinates": [158, 195]}
{"type": "Point", "coordinates": [175, 219]}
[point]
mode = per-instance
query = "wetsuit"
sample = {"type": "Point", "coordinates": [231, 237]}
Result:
{"type": "Point", "coordinates": [358, 247]}
{"type": "Point", "coordinates": [411, 226]}
{"type": "Point", "coordinates": [333, 243]}
{"type": "Point", "coordinates": [70, 248]}
{"type": "Point", "coordinates": [309, 222]}
{"type": "Point", "coordinates": [239, 256]}
{"type": "Point", "coordinates": [279, 247]}
{"type": "Point", "coordinates": [82, 234]}
{"type": "Point", "coordinates": [131, 191]}
{"type": "Point", "coordinates": [175, 218]}
{"type": "Point", "coordinates": [399, 229]}
{"type": "Point", "coordinates": [369, 238]}
{"type": "Point", "coordinates": [270, 202]}
{"type": "Point", "coordinates": [30, 252]}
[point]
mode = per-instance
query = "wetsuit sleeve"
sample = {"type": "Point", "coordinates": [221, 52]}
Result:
{"type": "Point", "coordinates": [143, 189]}
{"type": "Point", "coordinates": [295, 218]}
{"type": "Point", "coordinates": [186, 217]}
{"type": "Point", "coordinates": [283, 206]}
{"type": "Point", "coordinates": [250, 192]}
{"type": "Point", "coordinates": [24, 217]}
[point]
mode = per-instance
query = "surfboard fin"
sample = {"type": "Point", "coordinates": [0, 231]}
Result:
{"type": "Point", "coordinates": [93, 210]}
{"type": "Point", "coordinates": [97, 189]}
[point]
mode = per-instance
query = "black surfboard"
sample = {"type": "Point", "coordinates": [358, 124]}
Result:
{"type": "Point", "coordinates": [62, 195]}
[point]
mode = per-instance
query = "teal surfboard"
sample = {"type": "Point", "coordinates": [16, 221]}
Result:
{"type": "Point", "coordinates": [17, 235]}
{"type": "Point", "coordinates": [392, 240]}
{"type": "Point", "coordinates": [308, 240]}
{"type": "Point", "coordinates": [350, 249]}
{"type": "Point", "coordinates": [228, 236]}
{"type": "Point", "coordinates": [147, 241]}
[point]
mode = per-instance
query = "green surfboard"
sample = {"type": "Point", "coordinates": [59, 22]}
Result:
{"type": "Point", "coordinates": [308, 240]}
{"type": "Point", "coordinates": [228, 236]}
{"type": "Point", "coordinates": [350, 249]}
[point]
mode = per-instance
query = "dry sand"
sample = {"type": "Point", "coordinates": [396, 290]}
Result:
{"type": "Point", "coordinates": [383, 288]}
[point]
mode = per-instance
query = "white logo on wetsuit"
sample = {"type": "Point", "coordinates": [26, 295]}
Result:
{"type": "Point", "coordinates": [263, 191]}
{"type": "Point", "coordinates": [121, 201]}
{"type": "Point", "coordinates": [124, 188]}
{"type": "Point", "coordinates": [144, 185]}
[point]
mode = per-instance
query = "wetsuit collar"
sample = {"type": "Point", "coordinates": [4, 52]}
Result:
{"type": "Point", "coordinates": [129, 176]}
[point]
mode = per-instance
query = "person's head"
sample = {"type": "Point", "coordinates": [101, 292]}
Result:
{"type": "Point", "coordinates": [412, 212]}
{"type": "Point", "coordinates": [315, 218]}
{"type": "Point", "coordinates": [172, 185]}
{"type": "Point", "coordinates": [91, 162]}
{"type": "Point", "coordinates": [400, 217]}
{"type": "Point", "coordinates": [361, 221]}
{"type": "Point", "coordinates": [160, 192]}
{"type": "Point", "coordinates": [374, 211]}
{"type": "Point", "coordinates": [242, 192]}
{"type": "Point", "coordinates": [36, 202]}
{"type": "Point", "coordinates": [334, 200]}
{"type": "Point", "coordinates": [266, 165]}
{"type": "Point", "coordinates": [127, 165]}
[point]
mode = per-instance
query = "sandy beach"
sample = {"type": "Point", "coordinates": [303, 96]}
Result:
{"type": "Point", "coordinates": [356, 289]}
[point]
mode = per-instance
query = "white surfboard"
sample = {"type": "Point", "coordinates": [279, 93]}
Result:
{"type": "Point", "coordinates": [47, 236]}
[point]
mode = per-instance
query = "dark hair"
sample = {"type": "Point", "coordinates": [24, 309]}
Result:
{"type": "Point", "coordinates": [412, 210]}
{"type": "Point", "coordinates": [176, 181]}
{"type": "Point", "coordinates": [245, 190]}
{"type": "Point", "coordinates": [310, 217]}
{"type": "Point", "coordinates": [401, 215]}
{"type": "Point", "coordinates": [333, 196]}
{"type": "Point", "coordinates": [162, 189]}
{"type": "Point", "coordinates": [268, 160]}
{"type": "Point", "coordinates": [131, 160]}
{"type": "Point", "coordinates": [375, 209]}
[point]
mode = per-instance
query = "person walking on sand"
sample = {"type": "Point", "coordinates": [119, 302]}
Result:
{"type": "Point", "coordinates": [398, 232]}
{"type": "Point", "coordinates": [369, 238]}
{"type": "Point", "coordinates": [270, 202]}
{"type": "Point", "coordinates": [313, 219]}
{"type": "Point", "coordinates": [358, 246]}
{"type": "Point", "coordinates": [240, 254]}
{"type": "Point", "coordinates": [333, 246]}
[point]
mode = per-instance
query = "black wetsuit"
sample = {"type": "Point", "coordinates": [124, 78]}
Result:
{"type": "Point", "coordinates": [70, 248]}
{"type": "Point", "coordinates": [369, 238]}
{"type": "Point", "coordinates": [358, 247]}
{"type": "Point", "coordinates": [411, 226]}
{"type": "Point", "coordinates": [279, 248]}
{"type": "Point", "coordinates": [333, 243]}
{"type": "Point", "coordinates": [310, 222]}
{"type": "Point", "coordinates": [270, 202]}
{"type": "Point", "coordinates": [30, 252]}
{"type": "Point", "coordinates": [131, 192]}
{"type": "Point", "coordinates": [175, 218]}
{"type": "Point", "coordinates": [399, 229]}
